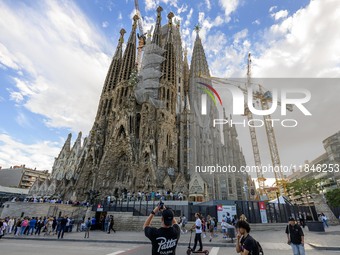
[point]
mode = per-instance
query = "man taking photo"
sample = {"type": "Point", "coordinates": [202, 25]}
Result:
{"type": "Point", "coordinates": [164, 239]}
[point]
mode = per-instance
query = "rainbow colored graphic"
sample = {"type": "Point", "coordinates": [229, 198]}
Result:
{"type": "Point", "coordinates": [210, 92]}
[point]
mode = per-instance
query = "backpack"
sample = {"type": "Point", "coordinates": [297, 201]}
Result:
{"type": "Point", "coordinates": [259, 250]}
{"type": "Point", "coordinates": [228, 220]}
{"type": "Point", "coordinates": [88, 223]}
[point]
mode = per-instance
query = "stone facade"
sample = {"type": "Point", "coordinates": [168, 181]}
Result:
{"type": "Point", "coordinates": [22, 209]}
{"type": "Point", "coordinates": [148, 133]}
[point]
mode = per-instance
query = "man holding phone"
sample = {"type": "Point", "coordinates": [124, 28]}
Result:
{"type": "Point", "coordinates": [164, 239]}
{"type": "Point", "coordinates": [296, 238]}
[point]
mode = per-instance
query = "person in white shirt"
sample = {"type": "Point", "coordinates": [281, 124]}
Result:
{"type": "Point", "coordinates": [198, 227]}
{"type": "Point", "coordinates": [224, 228]}
{"type": "Point", "coordinates": [10, 225]}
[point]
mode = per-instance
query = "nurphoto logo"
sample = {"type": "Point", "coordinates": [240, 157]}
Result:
{"type": "Point", "coordinates": [240, 105]}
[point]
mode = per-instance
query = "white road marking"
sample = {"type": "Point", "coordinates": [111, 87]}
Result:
{"type": "Point", "coordinates": [115, 253]}
{"type": "Point", "coordinates": [214, 251]}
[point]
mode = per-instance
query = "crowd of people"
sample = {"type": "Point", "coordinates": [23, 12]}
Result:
{"type": "Point", "coordinates": [53, 226]}
{"type": "Point", "coordinates": [126, 195]}
{"type": "Point", "coordinates": [123, 196]}
{"type": "Point", "coordinates": [49, 200]}
{"type": "Point", "coordinates": [36, 225]}
{"type": "Point", "coordinates": [230, 227]}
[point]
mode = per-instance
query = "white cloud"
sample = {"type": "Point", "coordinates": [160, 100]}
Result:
{"type": "Point", "coordinates": [208, 4]}
{"type": "Point", "coordinates": [61, 55]}
{"type": "Point", "coordinates": [280, 14]}
{"type": "Point", "coordinates": [148, 23]}
{"type": "Point", "coordinates": [120, 16]}
{"type": "Point", "coordinates": [271, 9]}
{"type": "Point", "coordinates": [7, 58]}
{"type": "Point", "coordinates": [22, 120]}
{"type": "Point", "coordinates": [150, 5]}
{"type": "Point", "coordinates": [105, 24]}
{"type": "Point", "coordinates": [183, 8]}
{"type": "Point", "coordinates": [206, 24]}
{"type": "Point", "coordinates": [257, 22]}
{"type": "Point", "coordinates": [153, 4]}
{"type": "Point", "coordinates": [188, 19]}
{"type": "Point", "coordinates": [39, 155]}
{"type": "Point", "coordinates": [229, 6]}
{"type": "Point", "coordinates": [306, 44]}
{"type": "Point", "coordinates": [240, 35]}
{"type": "Point", "coordinates": [215, 43]}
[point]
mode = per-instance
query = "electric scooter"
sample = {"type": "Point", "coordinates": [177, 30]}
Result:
{"type": "Point", "coordinates": [190, 251]}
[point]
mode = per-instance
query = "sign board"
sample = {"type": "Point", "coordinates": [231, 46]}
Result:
{"type": "Point", "coordinates": [224, 209]}
{"type": "Point", "coordinates": [263, 212]}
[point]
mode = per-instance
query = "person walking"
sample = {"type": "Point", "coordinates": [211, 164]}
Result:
{"type": "Point", "coordinates": [211, 228]}
{"type": "Point", "coordinates": [10, 225]}
{"type": "Point", "coordinates": [39, 226]}
{"type": "Point", "coordinates": [245, 244]}
{"type": "Point", "coordinates": [324, 219]}
{"type": "Point", "coordinates": [198, 230]}
{"type": "Point", "coordinates": [296, 238]}
{"type": "Point", "coordinates": [302, 220]}
{"type": "Point", "coordinates": [111, 223]}
{"type": "Point", "coordinates": [2, 228]}
{"type": "Point", "coordinates": [24, 225]}
{"type": "Point", "coordinates": [49, 226]}
{"type": "Point", "coordinates": [164, 239]}
{"type": "Point", "coordinates": [31, 226]}
{"type": "Point", "coordinates": [106, 223]}
{"type": "Point", "coordinates": [183, 222]}
{"type": "Point", "coordinates": [224, 228]}
{"type": "Point", "coordinates": [61, 227]}
{"type": "Point", "coordinates": [204, 226]}
{"type": "Point", "coordinates": [88, 225]}
{"type": "Point", "coordinates": [17, 230]}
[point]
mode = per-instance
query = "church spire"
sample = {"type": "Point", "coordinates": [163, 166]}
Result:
{"type": "Point", "coordinates": [199, 64]}
{"type": "Point", "coordinates": [169, 65]}
{"type": "Point", "coordinates": [129, 58]}
{"type": "Point", "coordinates": [112, 74]}
{"type": "Point", "coordinates": [186, 73]}
{"type": "Point", "coordinates": [65, 151]}
{"type": "Point", "coordinates": [157, 34]}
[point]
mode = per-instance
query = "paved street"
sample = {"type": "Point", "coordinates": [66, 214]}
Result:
{"type": "Point", "coordinates": [34, 247]}
{"type": "Point", "coordinates": [135, 243]}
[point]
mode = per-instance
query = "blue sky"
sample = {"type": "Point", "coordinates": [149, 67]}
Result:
{"type": "Point", "coordinates": [54, 56]}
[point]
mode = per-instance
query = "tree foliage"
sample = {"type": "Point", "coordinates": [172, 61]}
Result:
{"type": "Point", "coordinates": [333, 197]}
{"type": "Point", "coordinates": [303, 186]}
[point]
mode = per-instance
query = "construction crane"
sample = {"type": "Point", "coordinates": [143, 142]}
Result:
{"type": "Point", "coordinates": [256, 152]}
{"type": "Point", "coordinates": [141, 36]}
{"type": "Point", "coordinates": [264, 97]}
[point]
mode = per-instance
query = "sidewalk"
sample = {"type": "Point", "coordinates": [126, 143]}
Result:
{"type": "Point", "coordinates": [328, 240]}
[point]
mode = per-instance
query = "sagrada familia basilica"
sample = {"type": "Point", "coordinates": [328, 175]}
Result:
{"type": "Point", "coordinates": [149, 133]}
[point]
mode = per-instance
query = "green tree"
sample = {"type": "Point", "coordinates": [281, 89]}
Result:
{"type": "Point", "coordinates": [333, 197]}
{"type": "Point", "coordinates": [304, 187]}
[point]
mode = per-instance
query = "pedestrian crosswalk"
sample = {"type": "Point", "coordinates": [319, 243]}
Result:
{"type": "Point", "coordinates": [214, 251]}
